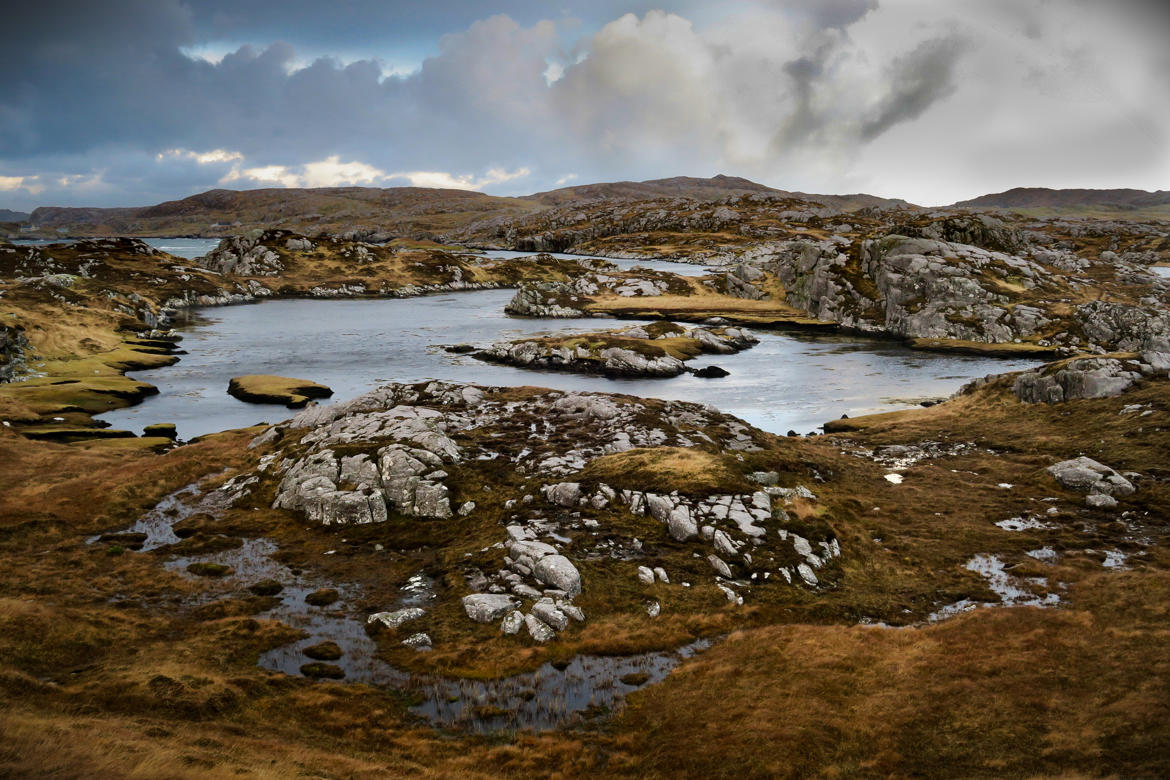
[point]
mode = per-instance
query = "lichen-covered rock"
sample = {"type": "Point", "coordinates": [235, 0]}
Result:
{"type": "Point", "coordinates": [1087, 475]}
{"type": "Point", "coordinates": [396, 618]}
{"type": "Point", "coordinates": [1084, 378]}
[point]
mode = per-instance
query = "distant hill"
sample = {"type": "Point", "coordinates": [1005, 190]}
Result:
{"type": "Point", "coordinates": [714, 188]}
{"type": "Point", "coordinates": [400, 210]}
{"type": "Point", "coordinates": [13, 216]}
{"type": "Point", "coordinates": [1032, 198]}
{"type": "Point", "coordinates": [416, 212]}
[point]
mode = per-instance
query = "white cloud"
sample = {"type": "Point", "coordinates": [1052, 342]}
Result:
{"type": "Point", "coordinates": [30, 184]}
{"type": "Point", "coordinates": [568, 177]}
{"type": "Point", "coordinates": [444, 180]}
{"type": "Point", "coordinates": [203, 158]}
{"type": "Point", "coordinates": [332, 172]}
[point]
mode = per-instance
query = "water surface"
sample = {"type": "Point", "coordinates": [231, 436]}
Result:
{"type": "Point", "coordinates": [789, 381]}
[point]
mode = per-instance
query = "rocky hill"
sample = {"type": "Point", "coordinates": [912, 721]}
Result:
{"type": "Point", "coordinates": [7, 215]}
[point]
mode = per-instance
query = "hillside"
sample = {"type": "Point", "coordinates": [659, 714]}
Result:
{"type": "Point", "coordinates": [7, 215]}
{"type": "Point", "coordinates": [1085, 201]}
{"type": "Point", "coordinates": [413, 212]}
{"type": "Point", "coordinates": [398, 210]}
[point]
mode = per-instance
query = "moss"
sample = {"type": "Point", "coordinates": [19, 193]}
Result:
{"type": "Point", "coordinates": [322, 597]}
{"type": "Point", "coordinates": [203, 569]}
{"type": "Point", "coordinates": [266, 588]}
{"type": "Point", "coordinates": [319, 670]}
{"type": "Point", "coordinates": [325, 651]}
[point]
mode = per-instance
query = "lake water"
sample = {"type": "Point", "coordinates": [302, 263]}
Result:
{"type": "Point", "coordinates": [789, 381]}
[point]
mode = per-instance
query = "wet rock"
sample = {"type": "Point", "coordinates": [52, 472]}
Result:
{"type": "Point", "coordinates": [396, 618]}
{"type": "Point", "coordinates": [1087, 475]}
{"type": "Point", "coordinates": [459, 349]}
{"type": "Point", "coordinates": [487, 607]}
{"type": "Point", "coordinates": [325, 651]}
{"type": "Point", "coordinates": [711, 372]}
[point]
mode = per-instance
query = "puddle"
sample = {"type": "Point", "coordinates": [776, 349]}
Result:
{"type": "Point", "coordinates": [543, 699]}
{"type": "Point", "coordinates": [1012, 591]}
{"type": "Point", "coordinates": [1028, 523]}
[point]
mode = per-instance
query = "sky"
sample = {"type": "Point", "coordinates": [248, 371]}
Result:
{"type": "Point", "coordinates": [133, 102]}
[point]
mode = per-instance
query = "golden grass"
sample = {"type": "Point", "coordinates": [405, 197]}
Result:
{"type": "Point", "coordinates": [690, 471]}
{"type": "Point", "coordinates": [269, 389]}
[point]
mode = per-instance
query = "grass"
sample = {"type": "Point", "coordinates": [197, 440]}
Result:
{"type": "Point", "coordinates": [268, 389]}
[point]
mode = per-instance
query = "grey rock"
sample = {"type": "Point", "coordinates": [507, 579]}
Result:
{"type": "Point", "coordinates": [547, 611]}
{"type": "Point", "coordinates": [1087, 475]}
{"type": "Point", "coordinates": [681, 525]}
{"type": "Point", "coordinates": [538, 629]}
{"type": "Point", "coordinates": [558, 572]}
{"type": "Point", "coordinates": [645, 575]}
{"type": "Point", "coordinates": [512, 622]}
{"type": "Point", "coordinates": [396, 618]}
{"type": "Point", "coordinates": [487, 607]}
{"type": "Point", "coordinates": [1100, 501]}
{"type": "Point", "coordinates": [420, 642]}
{"type": "Point", "coordinates": [720, 566]}
{"type": "Point", "coordinates": [565, 494]}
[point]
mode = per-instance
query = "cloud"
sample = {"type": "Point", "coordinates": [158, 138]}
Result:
{"type": "Point", "coordinates": [145, 100]}
{"type": "Point", "coordinates": [203, 158]}
{"type": "Point", "coordinates": [917, 80]}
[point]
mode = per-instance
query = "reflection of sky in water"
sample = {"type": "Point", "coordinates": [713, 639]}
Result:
{"type": "Point", "coordinates": [795, 381]}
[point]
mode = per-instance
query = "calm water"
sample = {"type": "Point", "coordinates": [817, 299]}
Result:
{"type": "Point", "coordinates": [788, 381]}
{"type": "Point", "coordinates": [179, 247]}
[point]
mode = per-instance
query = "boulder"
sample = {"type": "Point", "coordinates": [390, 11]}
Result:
{"type": "Point", "coordinates": [558, 572]}
{"type": "Point", "coordinates": [1089, 476]}
{"type": "Point", "coordinates": [487, 607]}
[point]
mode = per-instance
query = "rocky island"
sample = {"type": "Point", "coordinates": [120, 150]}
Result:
{"type": "Point", "coordinates": [266, 389]}
{"type": "Point", "coordinates": [658, 349]}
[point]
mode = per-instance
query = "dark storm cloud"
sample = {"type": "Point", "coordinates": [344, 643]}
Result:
{"type": "Point", "coordinates": [916, 81]}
